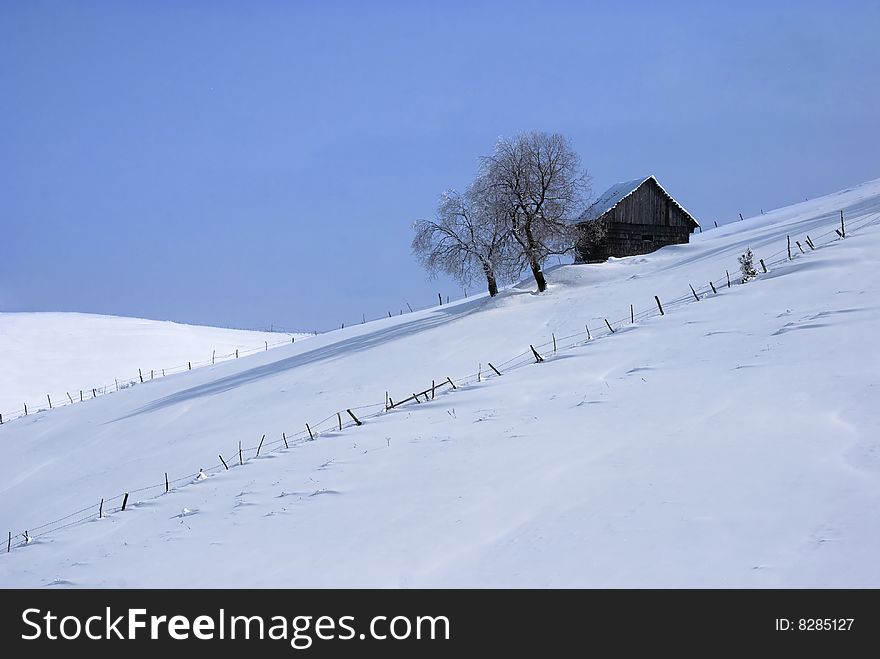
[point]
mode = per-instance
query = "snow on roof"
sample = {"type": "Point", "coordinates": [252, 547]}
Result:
{"type": "Point", "coordinates": [611, 197]}
{"type": "Point", "coordinates": [620, 191]}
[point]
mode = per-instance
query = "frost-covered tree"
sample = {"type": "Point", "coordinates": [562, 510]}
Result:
{"type": "Point", "coordinates": [591, 233]}
{"type": "Point", "coordinates": [464, 240]}
{"type": "Point", "coordinates": [746, 267]}
{"type": "Point", "coordinates": [535, 183]}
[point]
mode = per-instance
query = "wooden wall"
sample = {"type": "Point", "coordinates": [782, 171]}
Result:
{"type": "Point", "coordinates": [643, 222]}
{"type": "Point", "coordinates": [649, 205]}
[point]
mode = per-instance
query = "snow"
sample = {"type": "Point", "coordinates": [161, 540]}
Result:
{"type": "Point", "coordinates": [734, 441]}
{"type": "Point", "coordinates": [620, 191]}
{"type": "Point", "coordinates": [613, 196]}
{"type": "Point", "coordinates": [61, 353]}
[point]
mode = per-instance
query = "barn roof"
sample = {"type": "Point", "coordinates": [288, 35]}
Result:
{"type": "Point", "coordinates": [620, 191]}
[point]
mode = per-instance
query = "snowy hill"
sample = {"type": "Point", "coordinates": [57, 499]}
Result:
{"type": "Point", "coordinates": [732, 441]}
{"type": "Point", "coordinates": [57, 354]}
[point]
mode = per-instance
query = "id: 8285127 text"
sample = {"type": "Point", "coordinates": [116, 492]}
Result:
{"type": "Point", "coordinates": [814, 624]}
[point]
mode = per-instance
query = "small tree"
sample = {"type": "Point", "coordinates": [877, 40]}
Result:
{"type": "Point", "coordinates": [535, 183]}
{"type": "Point", "coordinates": [464, 241]}
{"type": "Point", "coordinates": [746, 267]}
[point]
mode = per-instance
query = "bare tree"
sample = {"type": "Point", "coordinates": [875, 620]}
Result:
{"type": "Point", "coordinates": [464, 241]}
{"type": "Point", "coordinates": [536, 183]}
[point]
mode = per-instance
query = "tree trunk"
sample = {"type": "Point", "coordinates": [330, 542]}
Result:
{"type": "Point", "coordinates": [539, 275]}
{"type": "Point", "coordinates": [490, 280]}
{"type": "Point", "coordinates": [531, 245]}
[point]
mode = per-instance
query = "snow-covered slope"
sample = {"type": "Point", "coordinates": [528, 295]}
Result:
{"type": "Point", "coordinates": [733, 441]}
{"type": "Point", "coordinates": [57, 354]}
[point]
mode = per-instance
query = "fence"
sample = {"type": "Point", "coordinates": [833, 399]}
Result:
{"type": "Point", "coordinates": [143, 375]}
{"type": "Point", "coordinates": [355, 416]}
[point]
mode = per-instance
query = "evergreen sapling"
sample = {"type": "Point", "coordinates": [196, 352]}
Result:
{"type": "Point", "coordinates": [746, 267]}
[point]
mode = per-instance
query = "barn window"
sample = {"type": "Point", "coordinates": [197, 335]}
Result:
{"type": "Point", "coordinates": [647, 237]}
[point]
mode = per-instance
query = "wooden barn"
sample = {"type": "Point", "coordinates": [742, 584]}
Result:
{"type": "Point", "coordinates": [635, 217]}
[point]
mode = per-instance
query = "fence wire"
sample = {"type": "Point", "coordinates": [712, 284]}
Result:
{"type": "Point", "coordinates": [341, 420]}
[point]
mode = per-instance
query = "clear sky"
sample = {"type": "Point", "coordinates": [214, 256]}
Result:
{"type": "Point", "coordinates": [247, 163]}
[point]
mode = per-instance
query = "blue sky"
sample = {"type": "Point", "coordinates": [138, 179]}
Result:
{"type": "Point", "coordinates": [250, 163]}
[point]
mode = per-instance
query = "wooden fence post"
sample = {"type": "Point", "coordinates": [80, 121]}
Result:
{"type": "Point", "coordinates": [124, 502]}
{"type": "Point", "coordinates": [632, 315]}
{"type": "Point", "coordinates": [810, 243]}
{"type": "Point", "coordinates": [1, 418]}
{"type": "Point", "coordinates": [240, 459]}
{"type": "Point", "coordinates": [25, 409]}
{"type": "Point", "coordinates": [842, 228]}
{"type": "Point", "coordinates": [740, 217]}
{"type": "Point", "coordinates": [409, 307]}
{"type": "Point", "coordinates": [151, 374]}
{"type": "Point", "coordinates": [357, 421]}
{"type": "Point", "coordinates": [497, 372]}
{"type": "Point", "coordinates": [728, 278]}
{"type": "Point", "coordinates": [441, 299]}
{"type": "Point", "coordinates": [609, 326]}
{"type": "Point", "coordinates": [659, 306]}
{"type": "Point", "coordinates": [261, 445]}
{"type": "Point", "coordinates": [538, 358]}
{"type": "Point", "coordinates": [69, 398]}
{"type": "Point", "coordinates": [213, 355]}
{"type": "Point", "coordinates": [433, 387]}
{"type": "Point", "coordinates": [236, 353]}
{"type": "Point", "coordinates": [188, 364]}
{"type": "Point", "coordinates": [117, 383]}
{"type": "Point", "coordinates": [94, 394]}
{"type": "Point", "coordinates": [554, 342]}
{"type": "Point", "coordinates": [764, 267]}
{"type": "Point", "coordinates": [589, 337]}
{"type": "Point", "coordinates": [451, 383]}
{"type": "Point", "coordinates": [284, 437]}
{"type": "Point", "coordinates": [788, 246]}
{"type": "Point", "coordinates": [166, 482]}
{"type": "Point", "coordinates": [267, 345]}
{"type": "Point", "coordinates": [9, 543]}
{"type": "Point", "coordinates": [339, 418]}
{"type": "Point", "coordinates": [798, 243]}
{"type": "Point", "coordinates": [80, 395]}
{"type": "Point", "coordinates": [101, 509]}
{"type": "Point", "coordinates": [716, 224]}
{"type": "Point", "coordinates": [141, 376]}
{"type": "Point", "coordinates": [224, 462]}
{"type": "Point", "coordinates": [49, 398]}
{"type": "Point", "coordinates": [713, 288]}
{"type": "Point", "coordinates": [311, 436]}
{"type": "Point", "coordinates": [696, 297]}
